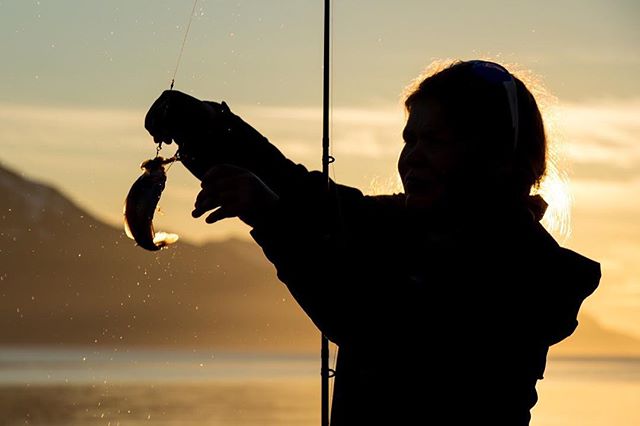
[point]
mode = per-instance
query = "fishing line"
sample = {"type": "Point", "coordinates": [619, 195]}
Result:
{"type": "Point", "coordinates": [184, 42]}
{"type": "Point", "coordinates": [175, 71]}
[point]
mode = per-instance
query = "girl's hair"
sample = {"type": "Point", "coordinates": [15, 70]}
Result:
{"type": "Point", "coordinates": [495, 114]}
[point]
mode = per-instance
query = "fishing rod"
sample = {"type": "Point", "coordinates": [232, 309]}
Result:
{"type": "Point", "coordinates": [325, 371]}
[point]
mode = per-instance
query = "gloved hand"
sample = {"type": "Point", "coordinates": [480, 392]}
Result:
{"type": "Point", "coordinates": [234, 191]}
{"type": "Point", "coordinates": [207, 133]}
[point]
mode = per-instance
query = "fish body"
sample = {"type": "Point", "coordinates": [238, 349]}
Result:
{"type": "Point", "coordinates": [140, 206]}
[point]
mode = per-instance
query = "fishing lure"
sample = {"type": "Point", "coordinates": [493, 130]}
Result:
{"type": "Point", "coordinates": [141, 202]}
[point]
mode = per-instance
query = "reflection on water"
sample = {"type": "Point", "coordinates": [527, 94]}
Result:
{"type": "Point", "coordinates": [589, 392]}
{"type": "Point", "coordinates": [29, 366]}
{"type": "Point", "coordinates": [89, 387]}
{"type": "Point", "coordinates": [284, 402]}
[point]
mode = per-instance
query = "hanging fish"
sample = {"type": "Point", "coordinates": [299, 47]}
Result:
{"type": "Point", "coordinates": [141, 203]}
{"type": "Point", "coordinates": [143, 197]}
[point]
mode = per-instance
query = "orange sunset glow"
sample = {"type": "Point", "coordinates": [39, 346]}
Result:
{"type": "Point", "coordinates": [97, 331]}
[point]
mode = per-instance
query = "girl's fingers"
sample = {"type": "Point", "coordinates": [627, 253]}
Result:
{"type": "Point", "coordinates": [205, 200]}
{"type": "Point", "coordinates": [210, 196]}
{"type": "Point", "coordinates": [208, 200]}
{"type": "Point", "coordinates": [221, 213]}
{"type": "Point", "coordinates": [233, 191]}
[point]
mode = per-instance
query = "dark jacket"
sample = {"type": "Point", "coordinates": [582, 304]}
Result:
{"type": "Point", "coordinates": [443, 317]}
{"type": "Point", "coordinates": [448, 315]}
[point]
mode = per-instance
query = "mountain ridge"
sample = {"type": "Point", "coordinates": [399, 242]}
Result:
{"type": "Point", "coordinates": [107, 290]}
{"type": "Point", "coordinates": [66, 278]}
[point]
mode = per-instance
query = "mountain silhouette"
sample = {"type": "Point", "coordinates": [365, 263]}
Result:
{"type": "Point", "coordinates": [67, 278]}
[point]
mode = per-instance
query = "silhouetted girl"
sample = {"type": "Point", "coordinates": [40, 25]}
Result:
{"type": "Point", "coordinates": [444, 299]}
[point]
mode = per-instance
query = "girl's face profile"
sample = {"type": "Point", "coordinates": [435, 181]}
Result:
{"type": "Point", "coordinates": [432, 154]}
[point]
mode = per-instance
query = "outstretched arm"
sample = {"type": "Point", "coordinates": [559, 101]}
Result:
{"type": "Point", "coordinates": [331, 245]}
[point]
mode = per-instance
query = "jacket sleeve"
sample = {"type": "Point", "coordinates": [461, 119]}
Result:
{"type": "Point", "coordinates": [239, 143]}
{"type": "Point", "coordinates": [577, 278]}
{"type": "Point", "coordinates": [331, 247]}
{"type": "Point", "coordinates": [550, 293]}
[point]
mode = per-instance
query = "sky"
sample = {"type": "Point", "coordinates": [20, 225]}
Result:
{"type": "Point", "coordinates": [77, 78]}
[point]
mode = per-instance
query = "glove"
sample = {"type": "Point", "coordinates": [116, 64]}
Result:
{"type": "Point", "coordinates": [207, 133]}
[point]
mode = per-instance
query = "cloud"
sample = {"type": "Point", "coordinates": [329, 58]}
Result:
{"type": "Point", "coordinates": [601, 138]}
{"type": "Point", "coordinates": [607, 196]}
{"type": "Point", "coordinates": [82, 118]}
{"type": "Point", "coordinates": [373, 133]}
{"type": "Point", "coordinates": [376, 117]}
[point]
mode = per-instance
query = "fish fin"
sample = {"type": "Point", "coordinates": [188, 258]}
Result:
{"type": "Point", "coordinates": [162, 239]}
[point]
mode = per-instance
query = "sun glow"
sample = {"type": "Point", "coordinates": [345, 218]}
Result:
{"type": "Point", "coordinates": [555, 190]}
{"type": "Point", "coordinates": [554, 187]}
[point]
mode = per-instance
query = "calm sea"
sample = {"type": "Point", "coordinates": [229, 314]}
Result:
{"type": "Point", "coordinates": [135, 387]}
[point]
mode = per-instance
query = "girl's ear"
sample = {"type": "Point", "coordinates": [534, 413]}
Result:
{"type": "Point", "coordinates": [500, 167]}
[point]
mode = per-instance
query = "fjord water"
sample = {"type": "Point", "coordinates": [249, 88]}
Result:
{"type": "Point", "coordinates": [89, 386]}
